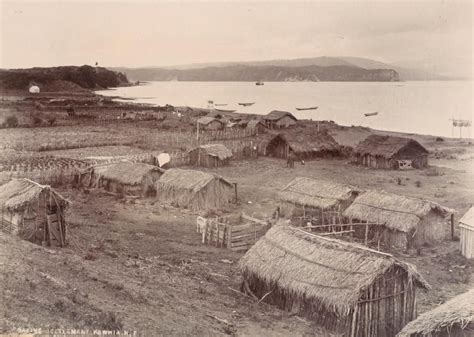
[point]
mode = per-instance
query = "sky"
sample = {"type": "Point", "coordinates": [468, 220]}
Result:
{"type": "Point", "coordinates": [435, 35]}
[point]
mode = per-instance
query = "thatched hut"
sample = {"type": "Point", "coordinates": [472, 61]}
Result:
{"type": "Point", "coordinates": [210, 155]}
{"type": "Point", "coordinates": [342, 286]}
{"type": "Point", "coordinates": [193, 189]}
{"type": "Point", "coordinates": [257, 126]}
{"type": "Point", "coordinates": [124, 177]}
{"type": "Point", "coordinates": [210, 123]}
{"type": "Point", "coordinates": [389, 152]}
{"type": "Point", "coordinates": [466, 229]}
{"type": "Point", "coordinates": [34, 212]}
{"type": "Point", "coordinates": [400, 221]}
{"type": "Point", "coordinates": [302, 145]}
{"type": "Point", "coordinates": [279, 119]}
{"type": "Point", "coordinates": [305, 196]}
{"type": "Point", "coordinates": [454, 318]}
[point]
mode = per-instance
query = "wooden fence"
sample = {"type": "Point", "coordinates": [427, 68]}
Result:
{"type": "Point", "coordinates": [237, 237]}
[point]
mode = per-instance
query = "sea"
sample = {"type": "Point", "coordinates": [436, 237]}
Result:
{"type": "Point", "coordinates": [421, 107]}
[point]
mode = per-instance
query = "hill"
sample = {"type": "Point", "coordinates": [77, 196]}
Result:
{"type": "Point", "coordinates": [69, 78]}
{"type": "Point", "coordinates": [405, 73]}
{"type": "Point", "coordinates": [265, 73]}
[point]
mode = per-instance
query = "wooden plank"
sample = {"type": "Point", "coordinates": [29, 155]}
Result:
{"type": "Point", "coordinates": [261, 222]}
{"type": "Point", "coordinates": [240, 244]}
{"type": "Point", "coordinates": [335, 233]}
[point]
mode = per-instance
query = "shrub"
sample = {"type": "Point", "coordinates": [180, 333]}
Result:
{"type": "Point", "coordinates": [51, 120]}
{"type": "Point", "coordinates": [37, 121]}
{"type": "Point", "coordinates": [11, 122]}
{"type": "Point", "coordinates": [418, 183]}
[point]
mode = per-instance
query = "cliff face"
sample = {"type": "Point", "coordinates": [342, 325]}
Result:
{"type": "Point", "coordinates": [265, 73]}
{"type": "Point", "coordinates": [85, 77]}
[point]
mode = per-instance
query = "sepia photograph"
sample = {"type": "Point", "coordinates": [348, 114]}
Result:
{"type": "Point", "coordinates": [236, 168]}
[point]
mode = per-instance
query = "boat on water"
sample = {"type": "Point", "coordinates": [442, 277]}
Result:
{"type": "Point", "coordinates": [309, 108]}
{"type": "Point", "coordinates": [247, 104]}
{"type": "Point", "coordinates": [220, 104]}
{"type": "Point", "coordinates": [259, 83]}
{"type": "Point", "coordinates": [223, 110]}
{"type": "Point", "coordinates": [371, 114]}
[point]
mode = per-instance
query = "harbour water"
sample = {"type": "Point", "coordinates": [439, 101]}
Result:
{"type": "Point", "coordinates": [423, 107]}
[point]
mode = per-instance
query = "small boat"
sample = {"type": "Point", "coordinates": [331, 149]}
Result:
{"type": "Point", "coordinates": [220, 104]}
{"type": "Point", "coordinates": [371, 114]}
{"type": "Point", "coordinates": [247, 104]}
{"type": "Point", "coordinates": [310, 108]}
{"type": "Point", "coordinates": [224, 110]}
{"type": "Point", "coordinates": [259, 83]}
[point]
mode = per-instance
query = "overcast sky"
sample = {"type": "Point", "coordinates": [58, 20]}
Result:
{"type": "Point", "coordinates": [434, 34]}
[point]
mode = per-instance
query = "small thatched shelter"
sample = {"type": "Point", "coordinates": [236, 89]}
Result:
{"type": "Point", "coordinates": [257, 126]}
{"type": "Point", "coordinates": [279, 119]}
{"type": "Point", "coordinates": [314, 194]}
{"type": "Point", "coordinates": [124, 177]}
{"type": "Point", "coordinates": [210, 155]}
{"type": "Point", "coordinates": [466, 228]}
{"type": "Point", "coordinates": [389, 152]}
{"type": "Point", "coordinates": [194, 189]}
{"type": "Point", "coordinates": [342, 286]}
{"type": "Point", "coordinates": [401, 221]}
{"type": "Point", "coordinates": [210, 123]}
{"type": "Point", "coordinates": [454, 318]}
{"type": "Point", "coordinates": [34, 212]}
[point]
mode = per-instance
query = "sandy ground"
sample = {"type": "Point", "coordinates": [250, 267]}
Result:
{"type": "Point", "coordinates": [141, 266]}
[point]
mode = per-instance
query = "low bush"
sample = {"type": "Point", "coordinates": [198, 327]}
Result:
{"type": "Point", "coordinates": [11, 122]}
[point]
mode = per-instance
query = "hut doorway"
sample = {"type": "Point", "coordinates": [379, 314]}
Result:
{"type": "Point", "coordinates": [278, 147]}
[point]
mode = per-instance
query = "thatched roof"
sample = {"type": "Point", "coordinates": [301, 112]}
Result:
{"type": "Point", "coordinates": [311, 142]}
{"type": "Point", "coordinates": [191, 180]}
{"type": "Point", "coordinates": [216, 150]}
{"type": "Point", "coordinates": [387, 146]}
{"type": "Point", "coordinates": [207, 120]}
{"type": "Point", "coordinates": [330, 271]}
{"type": "Point", "coordinates": [458, 311]}
{"type": "Point", "coordinates": [18, 193]}
{"type": "Point", "coordinates": [468, 218]}
{"type": "Point", "coordinates": [276, 115]}
{"type": "Point", "coordinates": [252, 124]}
{"type": "Point", "coordinates": [392, 210]}
{"type": "Point", "coordinates": [125, 172]}
{"type": "Point", "coordinates": [316, 193]}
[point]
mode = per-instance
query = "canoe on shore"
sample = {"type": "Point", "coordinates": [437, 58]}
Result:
{"type": "Point", "coordinates": [224, 110]}
{"type": "Point", "coordinates": [310, 108]}
{"type": "Point", "coordinates": [247, 104]}
{"type": "Point", "coordinates": [371, 114]}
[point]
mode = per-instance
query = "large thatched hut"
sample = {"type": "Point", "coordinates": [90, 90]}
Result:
{"type": "Point", "coordinates": [193, 189]}
{"type": "Point", "coordinates": [124, 177]}
{"type": "Point", "coordinates": [389, 152]}
{"type": "Point", "coordinates": [302, 145]}
{"type": "Point", "coordinates": [342, 286]}
{"type": "Point", "coordinates": [34, 212]}
{"type": "Point", "coordinates": [210, 155]}
{"type": "Point", "coordinates": [454, 318]}
{"type": "Point", "coordinates": [400, 221]}
{"type": "Point", "coordinates": [466, 229]}
{"type": "Point", "coordinates": [305, 195]}
{"type": "Point", "coordinates": [279, 119]}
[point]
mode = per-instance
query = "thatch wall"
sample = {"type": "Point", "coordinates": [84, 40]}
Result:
{"type": "Point", "coordinates": [124, 177]}
{"type": "Point", "coordinates": [210, 155]}
{"type": "Point", "coordinates": [466, 229]}
{"type": "Point", "coordinates": [404, 222]}
{"type": "Point", "coordinates": [25, 208]}
{"type": "Point", "coordinates": [384, 152]}
{"type": "Point", "coordinates": [193, 189]}
{"type": "Point", "coordinates": [455, 318]}
{"type": "Point", "coordinates": [342, 286]}
{"type": "Point", "coordinates": [316, 194]}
